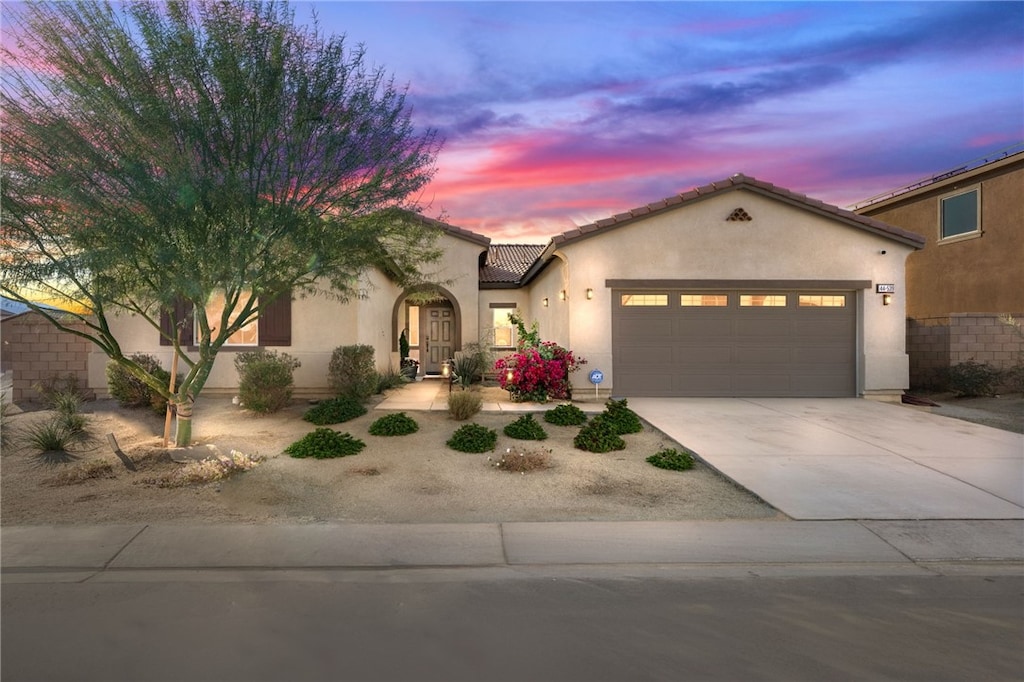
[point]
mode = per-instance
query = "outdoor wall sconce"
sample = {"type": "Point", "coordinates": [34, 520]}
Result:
{"type": "Point", "coordinates": [561, 295]}
{"type": "Point", "coordinates": [590, 294]}
{"type": "Point", "coordinates": [544, 302]}
{"type": "Point", "coordinates": [886, 299]}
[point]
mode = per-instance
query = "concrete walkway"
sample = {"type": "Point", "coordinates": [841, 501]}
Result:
{"type": "Point", "coordinates": [76, 553]}
{"type": "Point", "coordinates": [850, 458]}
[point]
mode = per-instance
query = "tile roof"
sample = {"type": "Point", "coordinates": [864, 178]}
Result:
{"type": "Point", "coordinates": [740, 181]}
{"type": "Point", "coordinates": [507, 263]}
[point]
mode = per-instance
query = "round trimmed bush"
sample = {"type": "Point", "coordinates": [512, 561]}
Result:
{"type": "Point", "coordinates": [670, 458]}
{"type": "Point", "coordinates": [621, 418]}
{"type": "Point", "coordinates": [565, 415]}
{"type": "Point", "coordinates": [473, 438]}
{"type": "Point", "coordinates": [526, 428]}
{"type": "Point", "coordinates": [334, 411]}
{"type": "Point", "coordinates": [325, 443]}
{"type": "Point", "coordinates": [397, 424]}
{"type": "Point", "coordinates": [599, 435]}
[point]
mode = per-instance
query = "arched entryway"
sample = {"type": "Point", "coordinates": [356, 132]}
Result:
{"type": "Point", "coordinates": [433, 322]}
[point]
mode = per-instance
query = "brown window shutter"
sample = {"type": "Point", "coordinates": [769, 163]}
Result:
{"type": "Point", "coordinates": [182, 313]}
{"type": "Point", "coordinates": [276, 322]}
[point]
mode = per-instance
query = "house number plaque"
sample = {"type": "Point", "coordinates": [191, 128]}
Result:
{"type": "Point", "coordinates": [885, 288]}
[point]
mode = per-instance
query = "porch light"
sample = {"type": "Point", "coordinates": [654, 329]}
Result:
{"type": "Point", "coordinates": [544, 302]}
{"type": "Point", "coordinates": [446, 371]}
{"type": "Point", "coordinates": [590, 294]}
{"type": "Point", "coordinates": [886, 299]}
{"type": "Point", "coordinates": [561, 295]}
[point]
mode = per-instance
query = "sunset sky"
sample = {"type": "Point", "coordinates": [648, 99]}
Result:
{"type": "Point", "coordinates": [558, 114]}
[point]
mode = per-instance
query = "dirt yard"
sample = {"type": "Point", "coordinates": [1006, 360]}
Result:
{"type": "Point", "coordinates": [402, 479]}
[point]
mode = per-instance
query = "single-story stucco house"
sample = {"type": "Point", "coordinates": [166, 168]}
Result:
{"type": "Point", "coordinates": [737, 288]}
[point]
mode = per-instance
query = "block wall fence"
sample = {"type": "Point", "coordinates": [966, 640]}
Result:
{"type": "Point", "coordinates": [33, 350]}
{"type": "Point", "coordinates": [935, 343]}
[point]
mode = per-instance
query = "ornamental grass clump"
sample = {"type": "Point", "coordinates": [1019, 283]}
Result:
{"type": "Point", "coordinates": [398, 424]}
{"type": "Point", "coordinates": [325, 443]}
{"type": "Point", "coordinates": [334, 411]}
{"type": "Point", "coordinates": [473, 438]}
{"type": "Point", "coordinates": [463, 404]}
{"type": "Point", "coordinates": [521, 461]}
{"type": "Point", "coordinates": [599, 435]}
{"type": "Point", "coordinates": [566, 415]}
{"type": "Point", "coordinates": [526, 428]}
{"type": "Point", "coordinates": [672, 459]}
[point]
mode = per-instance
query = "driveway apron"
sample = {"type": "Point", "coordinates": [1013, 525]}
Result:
{"type": "Point", "coordinates": [849, 458]}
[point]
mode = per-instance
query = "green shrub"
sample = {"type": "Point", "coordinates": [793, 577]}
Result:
{"type": "Point", "coordinates": [325, 443]}
{"type": "Point", "coordinates": [351, 373]}
{"type": "Point", "coordinates": [470, 364]}
{"type": "Point", "coordinates": [463, 404]}
{"type": "Point", "coordinates": [130, 391]}
{"type": "Point", "coordinates": [970, 379]}
{"type": "Point", "coordinates": [5, 425]}
{"type": "Point", "coordinates": [670, 458]}
{"type": "Point", "coordinates": [67, 405]}
{"type": "Point", "coordinates": [334, 411]}
{"type": "Point", "coordinates": [389, 379]}
{"type": "Point", "coordinates": [621, 418]}
{"type": "Point", "coordinates": [473, 438]}
{"type": "Point", "coordinates": [1013, 379]}
{"type": "Point", "coordinates": [521, 461]}
{"type": "Point", "coordinates": [51, 439]}
{"type": "Point", "coordinates": [565, 415]}
{"type": "Point", "coordinates": [397, 424]}
{"type": "Point", "coordinates": [599, 435]}
{"type": "Point", "coordinates": [526, 428]}
{"type": "Point", "coordinates": [265, 380]}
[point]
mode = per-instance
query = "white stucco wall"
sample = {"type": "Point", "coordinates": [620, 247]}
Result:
{"type": "Point", "coordinates": [782, 242]}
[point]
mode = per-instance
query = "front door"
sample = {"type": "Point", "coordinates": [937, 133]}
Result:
{"type": "Point", "coordinates": [437, 325]}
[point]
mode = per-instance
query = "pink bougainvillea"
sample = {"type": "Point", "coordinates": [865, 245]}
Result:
{"type": "Point", "coordinates": [538, 373]}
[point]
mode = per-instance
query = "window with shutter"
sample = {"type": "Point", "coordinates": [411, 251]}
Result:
{"type": "Point", "coordinates": [273, 328]}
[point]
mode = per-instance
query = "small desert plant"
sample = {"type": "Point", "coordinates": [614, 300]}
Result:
{"type": "Point", "coordinates": [565, 415]}
{"type": "Point", "coordinates": [205, 471]}
{"type": "Point", "coordinates": [265, 380]}
{"type": "Point", "coordinates": [389, 379]}
{"type": "Point", "coordinates": [473, 438]}
{"type": "Point", "coordinates": [463, 404]}
{"type": "Point", "coordinates": [526, 428]}
{"type": "Point", "coordinates": [470, 364]}
{"type": "Point", "coordinates": [621, 418]}
{"type": "Point", "coordinates": [670, 458]}
{"type": "Point", "coordinates": [334, 411]}
{"type": "Point", "coordinates": [397, 424]}
{"type": "Point", "coordinates": [130, 391]}
{"type": "Point", "coordinates": [970, 379]}
{"type": "Point", "coordinates": [56, 384]}
{"type": "Point", "coordinates": [521, 461]}
{"type": "Point", "coordinates": [50, 440]}
{"type": "Point", "coordinates": [599, 435]}
{"type": "Point", "coordinates": [5, 425]}
{"type": "Point", "coordinates": [351, 373]}
{"type": "Point", "coordinates": [325, 443]}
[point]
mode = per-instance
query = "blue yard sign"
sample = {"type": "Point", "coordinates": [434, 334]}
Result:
{"type": "Point", "coordinates": [596, 377]}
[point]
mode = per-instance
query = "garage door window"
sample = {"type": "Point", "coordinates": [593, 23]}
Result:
{"type": "Point", "coordinates": [822, 301]}
{"type": "Point", "coordinates": [762, 300]}
{"type": "Point", "coordinates": [703, 300]}
{"type": "Point", "coordinates": [644, 300]}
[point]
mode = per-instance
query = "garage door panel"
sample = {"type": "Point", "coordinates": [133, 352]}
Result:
{"type": "Point", "coordinates": [734, 351]}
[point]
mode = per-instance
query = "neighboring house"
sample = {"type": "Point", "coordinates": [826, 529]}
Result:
{"type": "Point", "coordinates": [971, 269]}
{"type": "Point", "coordinates": [738, 288]}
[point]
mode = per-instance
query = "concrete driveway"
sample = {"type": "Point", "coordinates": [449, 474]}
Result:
{"type": "Point", "coordinates": [848, 458]}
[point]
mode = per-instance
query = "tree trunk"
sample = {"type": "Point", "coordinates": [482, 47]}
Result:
{"type": "Point", "coordinates": [183, 423]}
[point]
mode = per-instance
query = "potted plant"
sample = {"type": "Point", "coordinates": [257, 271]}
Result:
{"type": "Point", "coordinates": [409, 368]}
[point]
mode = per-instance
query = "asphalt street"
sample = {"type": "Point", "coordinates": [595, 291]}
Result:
{"type": "Point", "coordinates": [612, 623]}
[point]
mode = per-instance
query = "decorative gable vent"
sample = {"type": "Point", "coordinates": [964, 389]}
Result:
{"type": "Point", "coordinates": [738, 215]}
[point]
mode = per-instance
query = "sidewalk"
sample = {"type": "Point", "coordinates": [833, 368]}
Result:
{"type": "Point", "coordinates": [31, 553]}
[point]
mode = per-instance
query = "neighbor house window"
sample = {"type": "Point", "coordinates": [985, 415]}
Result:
{"type": "Point", "coordinates": [822, 301]}
{"type": "Point", "coordinates": [504, 330]}
{"type": "Point", "coordinates": [959, 214]}
{"type": "Point", "coordinates": [645, 300]}
{"type": "Point", "coordinates": [763, 301]}
{"type": "Point", "coordinates": [703, 300]}
{"type": "Point", "coordinates": [249, 335]}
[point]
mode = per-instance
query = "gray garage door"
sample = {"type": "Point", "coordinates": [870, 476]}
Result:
{"type": "Point", "coordinates": [734, 343]}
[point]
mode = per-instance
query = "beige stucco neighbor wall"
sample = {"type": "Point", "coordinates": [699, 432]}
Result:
{"type": "Point", "coordinates": [781, 242]}
{"type": "Point", "coordinates": [34, 350]}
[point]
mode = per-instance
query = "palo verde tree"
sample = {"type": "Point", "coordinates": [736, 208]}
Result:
{"type": "Point", "coordinates": [156, 153]}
